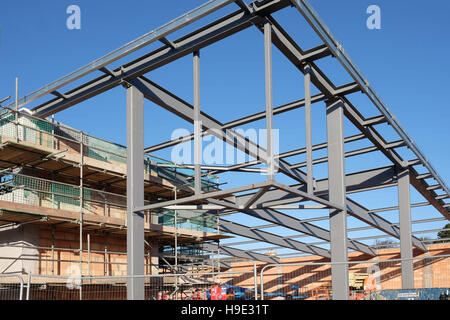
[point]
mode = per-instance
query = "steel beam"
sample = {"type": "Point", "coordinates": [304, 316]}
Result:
{"type": "Point", "coordinates": [269, 100]}
{"type": "Point", "coordinates": [293, 52]}
{"type": "Point", "coordinates": [169, 101]}
{"type": "Point", "coordinates": [282, 219]}
{"type": "Point", "coordinates": [356, 182]}
{"type": "Point", "coordinates": [308, 129]}
{"type": "Point", "coordinates": [135, 192]}
{"type": "Point", "coordinates": [142, 41]}
{"type": "Point", "coordinates": [196, 40]}
{"type": "Point", "coordinates": [406, 252]}
{"type": "Point", "coordinates": [255, 197]}
{"type": "Point", "coordinates": [337, 194]}
{"type": "Point", "coordinates": [244, 254]}
{"type": "Point", "coordinates": [343, 90]}
{"type": "Point", "coordinates": [205, 196]}
{"type": "Point", "coordinates": [363, 214]}
{"type": "Point", "coordinates": [325, 34]}
{"type": "Point", "coordinates": [355, 117]}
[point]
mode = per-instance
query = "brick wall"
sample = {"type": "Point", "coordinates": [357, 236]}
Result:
{"type": "Point", "coordinates": [294, 280]}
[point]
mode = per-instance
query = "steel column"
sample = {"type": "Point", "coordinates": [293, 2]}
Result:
{"type": "Point", "coordinates": [269, 99]}
{"type": "Point", "coordinates": [309, 160]}
{"type": "Point", "coordinates": [135, 192]}
{"type": "Point", "coordinates": [197, 126]}
{"type": "Point", "coordinates": [337, 194]}
{"type": "Point", "coordinates": [406, 251]}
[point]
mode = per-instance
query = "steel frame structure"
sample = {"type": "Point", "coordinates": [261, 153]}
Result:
{"type": "Point", "coordinates": [262, 200]}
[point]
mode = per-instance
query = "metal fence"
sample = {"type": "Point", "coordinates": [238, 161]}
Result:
{"type": "Point", "coordinates": [186, 286]}
{"type": "Point", "coordinates": [368, 280]}
{"type": "Point", "coordinates": [11, 287]}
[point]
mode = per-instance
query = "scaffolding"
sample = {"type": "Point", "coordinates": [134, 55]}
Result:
{"type": "Point", "coordinates": [53, 158]}
{"type": "Point", "coordinates": [175, 189]}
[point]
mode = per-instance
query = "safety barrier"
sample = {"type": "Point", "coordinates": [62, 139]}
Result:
{"type": "Point", "coordinates": [11, 287]}
{"type": "Point", "coordinates": [368, 280]}
{"type": "Point", "coordinates": [182, 286]}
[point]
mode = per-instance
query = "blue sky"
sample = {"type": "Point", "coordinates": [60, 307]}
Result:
{"type": "Point", "coordinates": [406, 62]}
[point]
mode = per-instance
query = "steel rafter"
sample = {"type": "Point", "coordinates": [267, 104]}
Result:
{"type": "Point", "coordinates": [238, 229]}
{"type": "Point", "coordinates": [244, 254]}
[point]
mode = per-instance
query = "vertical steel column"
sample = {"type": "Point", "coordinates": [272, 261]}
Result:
{"type": "Point", "coordinates": [81, 199]}
{"type": "Point", "coordinates": [337, 194]}
{"type": "Point", "coordinates": [135, 193]}
{"type": "Point", "coordinates": [406, 251]}
{"type": "Point", "coordinates": [309, 165]}
{"type": "Point", "coordinates": [269, 99]}
{"type": "Point", "coordinates": [197, 126]}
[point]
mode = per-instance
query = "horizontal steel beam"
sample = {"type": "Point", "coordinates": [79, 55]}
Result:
{"type": "Point", "coordinates": [238, 229]}
{"type": "Point", "coordinates": [204, 196]}
{"type": "Point", "coordinates": [380, 223]}
{"type": "Point", "coordinates": [146, 39]}
{"type": "Point", "coordinates": [421, 185]}
{"type": "Point", "coordinates": [343, 90]}
{"type": "Point", "coordinates": [284, 220]}
{"type": "Point", "coordinates": [291, 50]}
{"type": "Point", "coordinates": [244, 254]}
{"type": "Point", "coordinates": [279, 197]}
{"type": "Point", "coordinates": [292, 223]}
{"type": "Point", "coordinates": [196, 40]}
{"type": "Point", "coordinates": [336, 48]}
{"type": "Point", "coordinates": [356, 182]}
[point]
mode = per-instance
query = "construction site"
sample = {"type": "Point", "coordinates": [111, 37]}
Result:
{"type": "Point", "coordinates": [83, 218]}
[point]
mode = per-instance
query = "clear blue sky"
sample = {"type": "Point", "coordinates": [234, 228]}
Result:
{"type": "Point", "coordinates": [406, 62]}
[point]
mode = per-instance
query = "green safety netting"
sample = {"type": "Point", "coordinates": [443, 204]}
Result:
{"type": "Point", "coordinates": [40, 131]}
{"type": "Point", "coordinates": [56, 193]}
{"type": "Point", "coordinates": [186, 219]}
{"type": "Point", "coordinates": [41, 192]}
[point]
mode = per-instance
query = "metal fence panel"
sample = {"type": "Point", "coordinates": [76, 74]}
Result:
{"type": "Point", "coordinates": [11, 287]}
{"type": "Point", "coordinates": [369, 280]}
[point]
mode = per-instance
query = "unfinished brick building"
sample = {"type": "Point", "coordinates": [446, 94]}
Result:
{"type": "Point", "coordinates": [300, 277]}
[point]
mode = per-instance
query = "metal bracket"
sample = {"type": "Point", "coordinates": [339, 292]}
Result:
{"type": "Point", "coordinates": [59, 95]}
{"type": "Point", "coordinates": [169, 43]}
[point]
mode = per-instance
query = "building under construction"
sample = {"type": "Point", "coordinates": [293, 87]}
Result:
{"type": "Point", "coordinates": [71, 201]}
